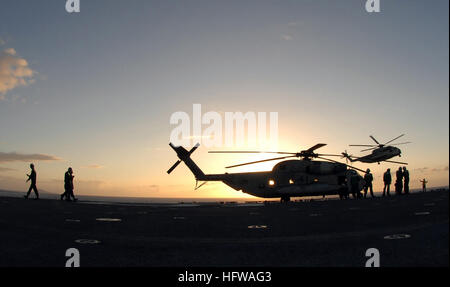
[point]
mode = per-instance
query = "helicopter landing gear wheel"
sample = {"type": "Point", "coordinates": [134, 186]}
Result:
{"type": "Point", "coordinates": [285, 199]}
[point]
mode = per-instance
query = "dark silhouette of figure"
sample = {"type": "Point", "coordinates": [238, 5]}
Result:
{"type": "Point", "coordinates": [424, 185]}
{"type": "Point", "coordinates": [343, 192]}
{"type": "Point", "coordinates": [387, 178]}
{"type": "Point", "coordinates": [68, 185]}
{"type": "Point", "coordinates": [32, 177]}
{"type": "Point", "coordinates": [354, 186]}
{"type": "Point", "coordinates": [368, 178]}
{"type": "Point", "coordinates": [405, 180]}
{"type": "Point", "coordinates": [399, 181]}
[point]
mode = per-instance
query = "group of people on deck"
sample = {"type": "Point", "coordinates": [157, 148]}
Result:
{"type": "Point", "coordinates": [401, 183]}
{"type": "Point", "coordinates": [68, 184]}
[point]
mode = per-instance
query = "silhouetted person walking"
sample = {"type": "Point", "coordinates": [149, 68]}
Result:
{"type": "Point", "coordinates": [68, 185]}
{"type": "Point", "coordinates": [406, 180]}
{"type": "Point", "coordinates": [399, 181]}
{"type": "Point", "coordinates": [368, 178]}
{"type": "Point", "coordinates": [424, 185]}
{"type": "Point", "coordinates": [387, 178]}
{"type": "Point", "coordinates": [32, 177]}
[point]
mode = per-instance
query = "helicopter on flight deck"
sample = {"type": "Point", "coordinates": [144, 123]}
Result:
{"type": "Point", "coordinates": [289, 178]}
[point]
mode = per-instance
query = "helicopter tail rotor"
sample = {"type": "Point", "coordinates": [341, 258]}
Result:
{"type": "Point", "coordinates": [185, 156]}
{"type": "Point", "coordinates": [346, 156]}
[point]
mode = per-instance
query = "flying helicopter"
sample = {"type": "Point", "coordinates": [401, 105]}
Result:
{"type": "Point", "coordinates": [380, 152]}
{"type": "Point", "coordinates": [289, 178]}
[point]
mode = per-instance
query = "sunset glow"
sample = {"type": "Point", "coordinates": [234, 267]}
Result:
{"type": "Point", "coordinates": [96, 91]}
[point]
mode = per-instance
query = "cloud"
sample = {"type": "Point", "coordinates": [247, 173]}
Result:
{"type": "Point", "coordinates": [3, 169]}
{"type": "Point", "coordinates": [440, 169]}
{"type": "Point", "coordinates": [14, 71]}
{"type": "Point", "coordinates": [13, 156]}
{"type": "Point", "coordinates": [422, 169]}
{"type": "Point", "coordinates": [286, 37]}
{"type": "Point", "coordinates": [95, 166]}
{"type": "Point", "coordinates": [15, 98]}
{"type": "Point", "coordinates": [10, 51]}
{"type": "Point", "coordinates": [146, 189]}
{"type": "Point", "coordinates": [2, 42]}
{"type": "Point", "coordinates": [428, 170]}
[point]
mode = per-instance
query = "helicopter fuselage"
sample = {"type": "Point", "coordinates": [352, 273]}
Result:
{"type": "Point", "coordinates": [291, 178]}
{"type": "Point", "coordinates": [380, 154]}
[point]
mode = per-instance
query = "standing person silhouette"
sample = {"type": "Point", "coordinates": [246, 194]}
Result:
{"type": "Point", "coordinates": [368, 178]}
{"type": "Point", "coordinates": [406, 180]}
{"type": "Point", "coordinates": [68, 182]}
{"type": "Point", "coordinates": [68, 185]}
{"type": "Point", "coordinates": [32, 177]}
{"type": "Point", "coordinates": [424, 185]}
{"type": "Point", "coordinates": [387, 178]}
{"type": "Point", "coordinates": [354, 180]}
{"type": "Point", "coordinates": [399, 181]}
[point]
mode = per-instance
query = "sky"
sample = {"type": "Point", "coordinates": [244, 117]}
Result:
{"type": "Point", "coordinates": [95, 90]}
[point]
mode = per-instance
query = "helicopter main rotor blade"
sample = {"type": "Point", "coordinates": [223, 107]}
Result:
{"type": "Point", "coordinates": [402, 143]}
{"type": "Point", "coordinates": [317, 146]}
{"type": "Point", "coordinates": [398, 162]}
{"type": "Point", "coordinates": [362, 145]}
{"type": "Point", "coordinates": [375, 140]}
{"type": "Point", "coordinates": [321, 154]}
{"type": "Point", "coordinates": [352, 167]}
{"type": "Point", "coordinates": [369, 149]}
{"type": "Point", "coordinates": [240, 151]}
{"type": "Point", "coordinates": [394, 139]}
{"type": "Point", "coordinates": [264, 160]}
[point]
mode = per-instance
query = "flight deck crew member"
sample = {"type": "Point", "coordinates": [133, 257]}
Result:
{"type": "Point", "coordinates": [353, 179]}
{"type": "Point", "coordinates": [32, 177]}
{"type": "Point", "coordinates": [368, 178]}
{"type": "Point", "coordinates": [399, 181]}
{"type": "Point", "coordinates": [68, 185]}
{"type": "Point", "coordinates": [406, 180]}
{"type": "Point", "coordinates": [387, 178]}
{"type": "Point", "coordinates": [424, 185]}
